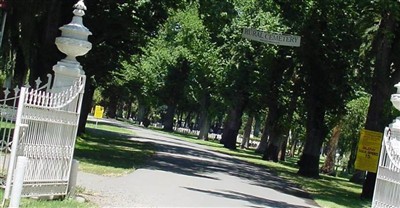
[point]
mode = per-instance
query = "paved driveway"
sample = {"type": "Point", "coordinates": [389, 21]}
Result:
{"type": "Point", "coordinates": [182, 174]}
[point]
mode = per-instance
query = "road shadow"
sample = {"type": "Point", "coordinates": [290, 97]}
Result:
{"type": "Point", "coordinates": [262, 202]}
{"type": "Point", "coordinates": [176, 156]}
{"type": "Point", "coordinates": [191, 160]}
{"type": "Point", "coordinates": [203, 163]}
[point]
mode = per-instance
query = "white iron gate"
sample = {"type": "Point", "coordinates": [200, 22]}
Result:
{"type": "Point", "coordinates": [45, 132]}
{"type": "Point", "coordinates": [387, 186]}
{"type": "Point", "coordinates": [8, 114]}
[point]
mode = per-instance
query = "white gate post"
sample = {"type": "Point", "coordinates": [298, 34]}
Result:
{"type": "Point", "coordinates": [73, 178]}
{"type": "Point", "coordinates": [73, 42]}
{"type": "Point", "coordinates": [15, 199]}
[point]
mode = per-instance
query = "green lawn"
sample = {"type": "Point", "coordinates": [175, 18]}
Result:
{"type": "Point", "coordinates": [54, 203]}
{"type": "Point", "coordinates": [106, 150]}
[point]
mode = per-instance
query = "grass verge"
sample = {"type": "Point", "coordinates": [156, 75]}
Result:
{"type": "Point", "coordinates": [328, 191]}
{"type": "Point", "coordinates": [106, 150]}
{"type": "Point", "coordinates": [39, 203]}
{"type": "Point", "coordinates": [54, 203]}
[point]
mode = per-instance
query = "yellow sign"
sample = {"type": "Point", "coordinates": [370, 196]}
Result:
{"type": "Point", "coordinates": [369, 148]}
{"type": "Point", "coordinates": [98, 111]}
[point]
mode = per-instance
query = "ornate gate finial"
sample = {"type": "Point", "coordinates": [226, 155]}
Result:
{"type": "Point", "coordinates": [80, 5]}
{"type": "Point", "coordinates": [73, 42]}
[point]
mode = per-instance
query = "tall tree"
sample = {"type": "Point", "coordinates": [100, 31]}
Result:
{"type": "Point", "coordinates": [246, 62]}
{"type": "Point", "coordinates": [278, 108]}
{"type": "Point", "coordinates": [185, 35]}
{"type": "Point", "coordinates": [382, 47]}
{"type": "Point", "coordinates": [121, 28]}
{"type": "Point", "coordinates": [323, 39]}
{"type": "Point", "coordinates": [247, 132]}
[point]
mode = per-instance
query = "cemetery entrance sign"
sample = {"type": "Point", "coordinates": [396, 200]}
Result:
{"type": "Point", "coordinates": [271, 38]}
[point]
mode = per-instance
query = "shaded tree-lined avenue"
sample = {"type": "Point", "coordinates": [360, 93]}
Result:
{"type": "Point", "coordinates": [184, 63]}
{"type": "Point", "coordinates": [188, 175]}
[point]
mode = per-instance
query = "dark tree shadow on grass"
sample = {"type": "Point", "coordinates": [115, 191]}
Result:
{"type": "Point", "coordinates": [107, 148]}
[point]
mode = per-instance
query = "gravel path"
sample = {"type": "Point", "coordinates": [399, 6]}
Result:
{"type": "Point", "coordinates": [182, 174]}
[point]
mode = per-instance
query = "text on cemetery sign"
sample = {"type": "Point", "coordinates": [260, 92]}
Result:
{"type": "Point", "coordinates": [271, 38]}
{"type": "Point", "coordinates": [369, 147]}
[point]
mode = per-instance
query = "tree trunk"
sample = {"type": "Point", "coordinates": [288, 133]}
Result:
{"type": "Point", "coordinates": [282, 153]}
{"type": "Point", "coordinates": [120, 110]}
{"type": "Point", "coordinates": [352, 157]}
{"type": "Point", "coordinates": [316, 79]}
{"type": "Point", "coordinates": [247, 132]}
{"type": "Point", "coordinates": [86, 106]}
{"type": "Point", "coordinates": [293, 147]}
{"type": "Point", "coordinates": [257, 125]}
{"type": "Point", "coordinates": [204, 128]}
{"type": "Point", "coordinates": [129, 110]}
{"type": "Point", "coordinates": [21, 69]}
{"type": "Point", "coordinates": [188, 120]}
{"type": "Point", "coordinates": [316, 132]}
{"type": "Point", "coordinates": [275, 131]}
{"type": "Point", "coordinates": [169, 118]}
{"type": "Point", "coordinates": [18, 68]}
{"type": "Point", "coordinates": [233, 123]}
{"type": "Point", "coordinates": [275, 113]}
{"type": "Point", "coordinates": [112, 106]}
{"type": "Point", "coordinates": [204, 124]}
{"type": "Point", "coordinates": [274, 143]}
{"type": "Point", "coordinates": [281, 144]}
{"type": "Point", "coordinates": [358, 177]}
{"type": "Point", "coordinates": [180, 119]}
{"type": "Point", "coordinates": [329, 165]}
{"type": "Point", "coordinates": [231, 129]}
{"type": "Point", "coordinates": [273, 148]}
{"type": "Point", "coordinates": [141, 114]}
{"type": "Point", "coordinates": [376, 119]}
{"type": "Point", "coordinates": [290, 112]}
{"type": "Point", "coordinates": [262, 146]}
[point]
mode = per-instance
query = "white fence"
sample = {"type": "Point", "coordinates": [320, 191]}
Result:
{"type": "Point", "coordinates": [387, 187]}
{"type": "Point", "coordinates": [45, 131]}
